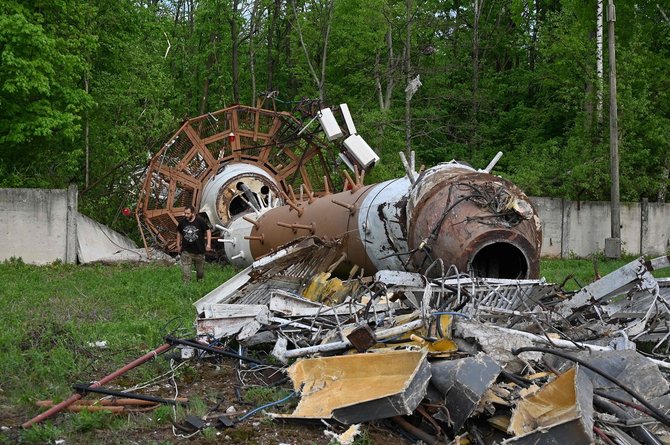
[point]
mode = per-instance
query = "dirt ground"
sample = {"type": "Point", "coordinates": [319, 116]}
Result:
{"type": "Point", "coordinates": [214, 383]}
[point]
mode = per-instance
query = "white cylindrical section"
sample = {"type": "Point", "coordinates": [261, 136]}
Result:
{"type": "Point", "coordinates": [238, 251]}
{"type": "Point", "coordinates": [381, 224]}
{"type": "Point", "coordinates": [253, 176]}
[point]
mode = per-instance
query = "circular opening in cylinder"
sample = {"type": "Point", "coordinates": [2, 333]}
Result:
{"type": "Point", "coordinates": [237, 205]}
{"type": "Point", "coordinates": [499, 260]}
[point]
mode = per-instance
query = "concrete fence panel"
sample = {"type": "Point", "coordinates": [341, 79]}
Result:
{"type": "Point", "coordinates": [578, 229]}
{"type": "Point", "coordinates": [36, 225]}
{"type": "Point", "coordinates": [551, 217]}
{"type": "Point", "coordinates": [40, 226]}
{"type": "Point", "coordinates": [655, 230]}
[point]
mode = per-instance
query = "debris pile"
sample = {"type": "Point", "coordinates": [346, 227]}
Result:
{"type": "Point", "coordinates": [456, 359]}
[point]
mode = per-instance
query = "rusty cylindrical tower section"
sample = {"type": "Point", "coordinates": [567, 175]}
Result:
{"type": "Point", "coordinates": [473, 220]}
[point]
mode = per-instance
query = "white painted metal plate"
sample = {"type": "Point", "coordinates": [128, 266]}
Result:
{"type": "Point", "coordinates": [360, 150]}
{"type": "Point", "coordinates": [329, 124]}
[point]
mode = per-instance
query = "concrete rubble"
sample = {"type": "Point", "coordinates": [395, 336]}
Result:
{"type": "Point", "coordinates": [476, 360]}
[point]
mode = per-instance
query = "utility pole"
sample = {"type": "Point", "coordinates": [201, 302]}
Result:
{"type": "Point", "coordinates": [408, 73]}
{"type": "Point", "coordinates": [613, 244]}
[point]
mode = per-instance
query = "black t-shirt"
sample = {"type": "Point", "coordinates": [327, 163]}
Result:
{"type": "Point", "coordinates": [193, 235]}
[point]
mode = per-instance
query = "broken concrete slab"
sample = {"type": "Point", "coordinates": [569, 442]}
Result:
{"type": "Point", "coordinates": [462, 383]}
{"type": "Point", "coordinates": [360, 387]}
{"type": "Point", "coordinates": [561, 412]}
{"type": "Point", "coordinates": [97, 242]}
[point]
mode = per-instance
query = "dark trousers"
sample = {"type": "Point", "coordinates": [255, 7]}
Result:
{"type": "Point", "coordinates": [187, 260]}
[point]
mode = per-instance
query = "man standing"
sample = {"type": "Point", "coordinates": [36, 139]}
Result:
{"type": "Point", "coordinates": [192, 233]}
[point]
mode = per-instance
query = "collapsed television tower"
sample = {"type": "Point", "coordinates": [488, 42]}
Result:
{"type": "Point", "coordinates": [263, 180]}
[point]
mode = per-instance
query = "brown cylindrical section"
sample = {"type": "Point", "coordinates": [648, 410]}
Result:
{"type": "Point", "coordinates": [322, 218]}
{"type": "Point", "coordinates": [478, 222]}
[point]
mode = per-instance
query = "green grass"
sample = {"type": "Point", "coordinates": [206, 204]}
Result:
{"type": "Point", "coordinates": [581, 272]}
{"type": "Point", "coordinates": [51, 314]}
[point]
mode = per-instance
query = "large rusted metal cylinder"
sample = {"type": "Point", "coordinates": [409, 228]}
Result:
{"type": "Point", "coordinates": [475, 221]}
{"type": "Point", "coordinates": [451, 213]}
{"type": "Point", "coordinates": [333, 217]}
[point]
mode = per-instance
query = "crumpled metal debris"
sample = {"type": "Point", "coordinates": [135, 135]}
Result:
{"type": "Point", "coordinates": [461, 376]}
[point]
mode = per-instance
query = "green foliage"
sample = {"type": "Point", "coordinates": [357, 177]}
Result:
{"type": "Point", "coordinates": [131, 71]}
{"type": "Point", "coordinates": [87, 421]}
{"type": "Point", "coordinates": [261, 395]}
{"type": "Point", "coordinates": [42, 433]}
{"type": "Point", "coordinates": [209, 434]}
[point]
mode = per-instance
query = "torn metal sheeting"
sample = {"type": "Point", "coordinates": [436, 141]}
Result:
{"type": "Point", "coordinates": [400, 278]}
{"type": "Point", "coordinates": [360, 387]}
{"type": "Point", "coordinates": [287, 269]}
{"type": "Point", "coordinates": [629, 367]}
{"type": "Point", "coordinates": [296, 306]}
{"type": "Point", "coordinates": [561, 412]}
{"type": "Point", "coordinates": [498, 342]}
{"type": "Point", "coordinates": [226, 320]}
{"type": "Point", "coordinates": [633, 275]}
{"type": "Point", "coordinates": [345, 344]}
{"type": "Point", "coordinates": [494, 341]}
{"type": "Point", "coordinates": [570, 432]}
{"type": "Point", "coordinates": [637, 303]}
{"type": "Point", "coordinates": [462, 383]}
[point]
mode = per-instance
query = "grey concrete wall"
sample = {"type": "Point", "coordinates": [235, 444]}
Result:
{"type": "Point", "coordinates": [551, 217]}
{"type": "Point", "coordinates": [579, 229]}
{"type": "Point", "coordinates": [34, 225]}
{"type": "Point", "coordinates": [40, 226]}
{"type": "Point", "coordinates": [656, 234]}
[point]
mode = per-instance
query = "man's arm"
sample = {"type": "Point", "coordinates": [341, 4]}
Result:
{"type": "Point", "coordinates": [178, 241]}
{"type": "Point", "coordinates": [209, 239]}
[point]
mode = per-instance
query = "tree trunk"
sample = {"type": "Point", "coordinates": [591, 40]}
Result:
{"type": "Point", "coordinates": [378, 82]}
{"type": "Point", "coordinates": [235, 39]}
{"type": "Point", "coordinates": [319, 80]}
{"type": "Point", "coordinates": [533, 35]}
{"type": "Point", "coordinates": [384, 94]}
{"type": "Point", "coordinates": [478, 4]}
{"type": "Point", "coordinates": [86, 142]}
{"type": "Point", "coordinates": [205, 88]}
{"type": "Point", "coordinates": [326, 38]}
{"type": "Point", "coordinates": [252, 52]}
{"type": "Point", "coordinates": [390, 69]}
{"type": "Point", "coordinates": [272, 31]}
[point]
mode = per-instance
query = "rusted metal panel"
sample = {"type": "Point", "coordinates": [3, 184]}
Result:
{"type": "Point", "coordinates": [327, 221]}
